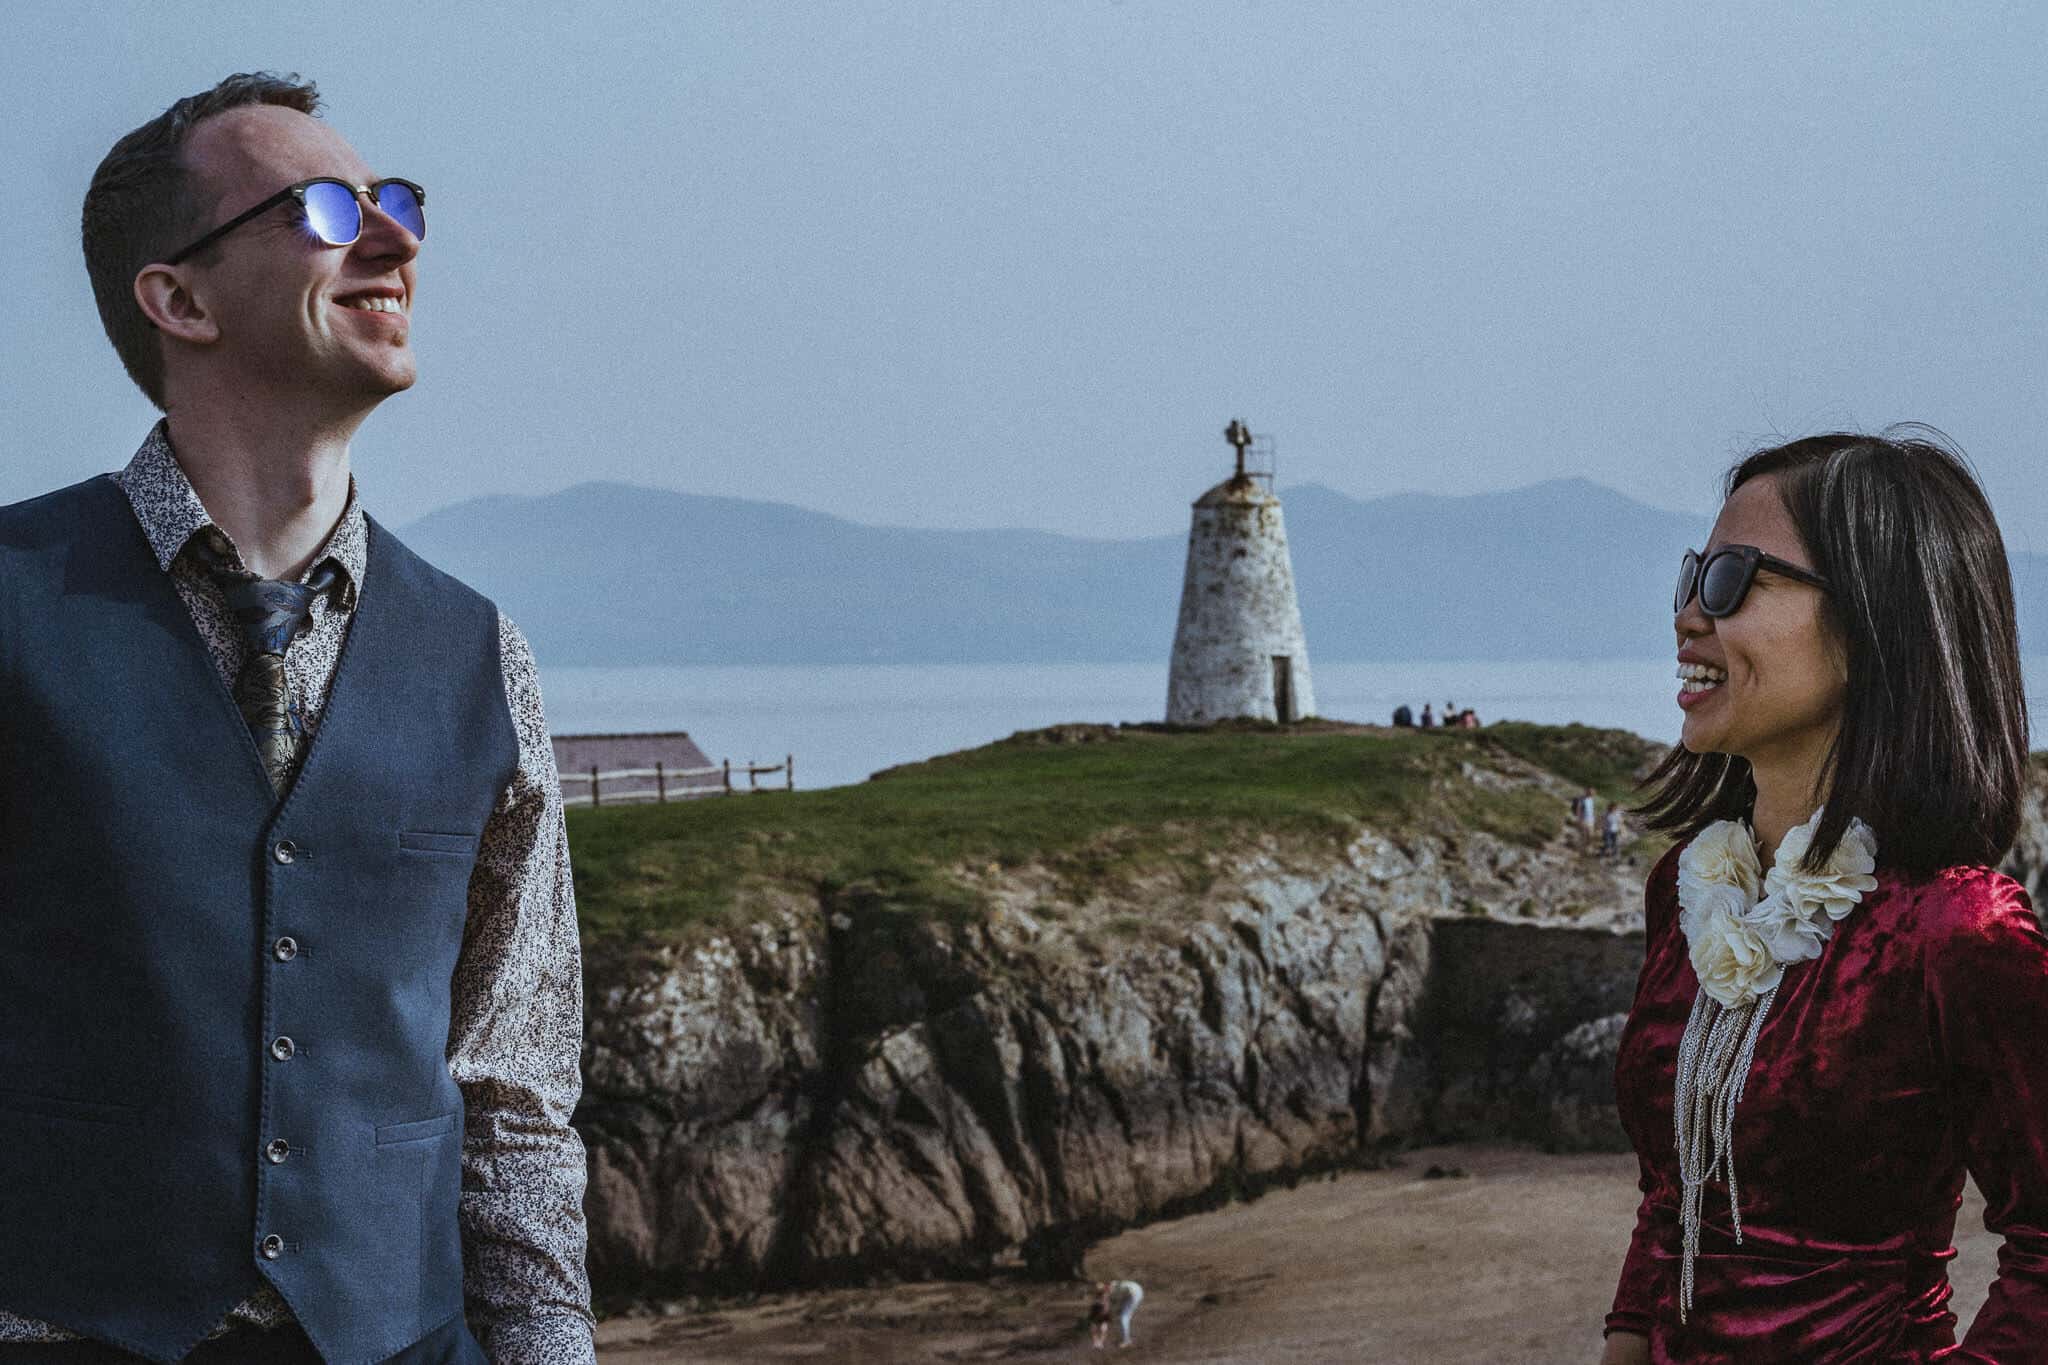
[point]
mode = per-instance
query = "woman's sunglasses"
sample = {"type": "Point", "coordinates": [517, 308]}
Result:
{"type": "Point", "coordinates": [1722, 579]}
{"type": "Point", "coordinates": [333, 210]}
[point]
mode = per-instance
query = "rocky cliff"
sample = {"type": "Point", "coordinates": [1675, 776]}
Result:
{"type": "Point", "coordinates": [845, 1086]}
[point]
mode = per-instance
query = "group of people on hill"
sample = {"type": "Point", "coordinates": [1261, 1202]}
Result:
{"type": "Point", "coordinates": [1453, 718]}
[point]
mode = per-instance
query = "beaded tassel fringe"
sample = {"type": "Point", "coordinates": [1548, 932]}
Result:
{"type": "Point", "coordinates": [1713, 1063]}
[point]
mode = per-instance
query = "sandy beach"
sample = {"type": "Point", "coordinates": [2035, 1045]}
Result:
{"type": "Point", "coordinates": [1515, 1261]}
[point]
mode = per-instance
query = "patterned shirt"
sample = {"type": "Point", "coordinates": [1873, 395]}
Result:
{"type": "Point", "coordinates": [515, 1034]}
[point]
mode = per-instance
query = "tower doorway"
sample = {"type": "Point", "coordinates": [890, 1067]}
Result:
{"type": "Point", "coordinates": [1283, 688]}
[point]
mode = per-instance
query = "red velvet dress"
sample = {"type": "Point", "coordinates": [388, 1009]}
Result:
{"type": "Point", "coordinates": [1914, 1047]}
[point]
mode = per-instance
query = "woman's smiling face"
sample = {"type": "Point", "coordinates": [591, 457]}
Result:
{"type": "Point", "coordinates": [1786, 678]}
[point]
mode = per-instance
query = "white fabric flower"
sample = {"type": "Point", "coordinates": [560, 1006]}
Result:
{"type": "Point", "coordinates": [1793, 846]}
{"type": "Point", "coordinates": [1704, 901]}
{"type": "Point", "coordinates": [1731, 960]}
{"type": "Point", "coordinates": [1741, 929]}
{"type": "Point", "coordinates": [1790, 937]}
{"type": "Point", "coordinates": [1835, 890]}
{"type": "Point", "coordinates": [1723, 852]}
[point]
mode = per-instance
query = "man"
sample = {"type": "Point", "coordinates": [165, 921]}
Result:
{"type": "Point", "coordinates": [290, 994]}
{"type": "Point", "coordinates": [1586, 811]}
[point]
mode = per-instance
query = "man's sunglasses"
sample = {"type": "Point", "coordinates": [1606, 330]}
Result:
{"type": "Point", "coordinates": [1722, 579]}
{"type": "Point", "coordinates": [333, 210]}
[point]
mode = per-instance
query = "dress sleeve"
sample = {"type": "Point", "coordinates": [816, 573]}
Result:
{"type": "Point", "coordinates": [1635, 1298]}
{"type": "Point", "coordinates": [1987, 984]}
{"type": "Point", "coordinates": [1636, 1295]}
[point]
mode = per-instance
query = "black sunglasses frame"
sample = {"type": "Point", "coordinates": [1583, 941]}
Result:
{"type": "Point", "coordinates": [298, 193]}
{"type": "Point", "coordinates": [1692, 572]}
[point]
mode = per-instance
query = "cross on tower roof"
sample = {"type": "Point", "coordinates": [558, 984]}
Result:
{"type": "Point", "coordinates": [1239, 435]}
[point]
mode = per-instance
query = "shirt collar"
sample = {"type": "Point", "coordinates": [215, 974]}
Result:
{"type": "Point", "coordinates": [171, 513]}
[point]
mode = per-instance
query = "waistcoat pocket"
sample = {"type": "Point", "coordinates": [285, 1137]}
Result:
{"type": "Point", "coordinates": [429, 841]}
{"type": "Point", "coordinates": [391, 1134]}
{"type": "Point", "coordinates": [57, 1107]}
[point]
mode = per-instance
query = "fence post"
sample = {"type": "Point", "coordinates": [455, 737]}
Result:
{"type": "Point", "coordinates": [660, 785]}
{"type": "Point", "coordinates": [593, 786]}
{"type": "Point", "coordinates": [728, 777]}
{"type": "Point", "coordinates": [753, 778]}
{"type": "Point", "coordinates": [789, 772]}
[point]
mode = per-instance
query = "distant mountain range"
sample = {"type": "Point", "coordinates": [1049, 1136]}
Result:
{"type": "Point", "coordinates": [612, 573]}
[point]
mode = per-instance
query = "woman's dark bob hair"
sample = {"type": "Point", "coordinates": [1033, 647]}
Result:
{"type": "Point", "coordinates": [1932, 748]}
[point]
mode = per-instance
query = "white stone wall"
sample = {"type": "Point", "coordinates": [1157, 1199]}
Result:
{"type": "Point", "coordinates": [1237, 611]}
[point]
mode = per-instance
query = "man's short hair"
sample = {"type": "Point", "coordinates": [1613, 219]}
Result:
{"type": "Point", "coordinates": [141, 207]}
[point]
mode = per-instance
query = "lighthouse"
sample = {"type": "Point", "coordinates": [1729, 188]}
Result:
{"type": "Point", "coordinates": [1238, 649]}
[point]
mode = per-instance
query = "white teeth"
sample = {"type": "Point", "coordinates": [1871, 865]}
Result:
{"type": "Point", "coordinates": [374, 303]}
{"type": "Point", "coordinates": [1696, 678]}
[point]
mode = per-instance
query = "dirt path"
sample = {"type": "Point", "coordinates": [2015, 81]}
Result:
{"type": "Point", "coordinates": [1513, 1263]}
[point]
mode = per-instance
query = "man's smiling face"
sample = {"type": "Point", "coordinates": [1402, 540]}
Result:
{"type": "Point", "coordinates": [293, 312]}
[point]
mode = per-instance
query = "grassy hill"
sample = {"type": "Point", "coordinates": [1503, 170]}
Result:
{"type": "Point", "coordinates": [1093, 805]}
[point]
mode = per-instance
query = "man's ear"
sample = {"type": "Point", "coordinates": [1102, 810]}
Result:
{"type": "Point", "coordinates": [167, 298]}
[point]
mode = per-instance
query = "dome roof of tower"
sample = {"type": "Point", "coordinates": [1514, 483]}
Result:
{"type": "Point", "coordinates": [1244, 492]}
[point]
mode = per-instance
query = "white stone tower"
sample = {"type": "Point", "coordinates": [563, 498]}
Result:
{"type": "Point", "coordinates": [1239, 648]}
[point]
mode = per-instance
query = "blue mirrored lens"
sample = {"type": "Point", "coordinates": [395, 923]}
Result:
{"type": "Point", "coordinates": [333, 213]}
{"type": "Point", "coordinates": [403, 205]}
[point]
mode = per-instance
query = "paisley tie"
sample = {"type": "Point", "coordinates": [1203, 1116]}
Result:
{"type": "Point", "coordinates": [271, 613]}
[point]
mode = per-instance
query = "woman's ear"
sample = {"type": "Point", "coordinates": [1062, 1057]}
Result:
{"type": "Point", "coordinates": [169, 298]}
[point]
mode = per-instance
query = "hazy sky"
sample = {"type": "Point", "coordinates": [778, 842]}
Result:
{"type": "Point", "coordinates": [1016, 264]}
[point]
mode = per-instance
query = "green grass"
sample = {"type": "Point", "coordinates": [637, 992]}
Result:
{"type": "Point", "coordinates": [1095, 806]}
{"type": "Point", "coordinates": [1605, 760]}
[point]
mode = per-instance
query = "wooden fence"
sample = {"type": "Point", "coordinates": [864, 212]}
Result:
{"type": "Point", "coordinates": [593, 782]}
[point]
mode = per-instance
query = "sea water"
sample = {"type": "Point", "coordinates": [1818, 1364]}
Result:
{"type": "Point", "coordinates": [843, 722]}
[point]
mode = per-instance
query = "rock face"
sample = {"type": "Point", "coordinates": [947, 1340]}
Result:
{"type": "Point", "coordinates": [848, 1089]}
{"type": "Point", "coordinates": [2028, 861]}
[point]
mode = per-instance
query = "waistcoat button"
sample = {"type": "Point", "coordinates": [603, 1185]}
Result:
{"type": "Point", "coordinates": [281, 1048]}
{"type": "Point", "coordinates": [277, 1151]}
{"type": "Point", "coordinates": [284, 850]}
{"type": "Point", "coordinates": [272, 1247]}
{"type": "Point", "coordinates": [286, 948]}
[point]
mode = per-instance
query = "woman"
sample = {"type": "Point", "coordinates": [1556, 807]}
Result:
{"type": "Point", "coordinates": [1842, 1007]}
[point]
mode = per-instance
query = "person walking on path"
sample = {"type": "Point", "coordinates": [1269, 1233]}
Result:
{"type": "Point", "coordinates": [1586, 812]}
{"type": "Point", "coordinates": [1610, 832]}
{"type": "Point", "coordinates": [294, 810]}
